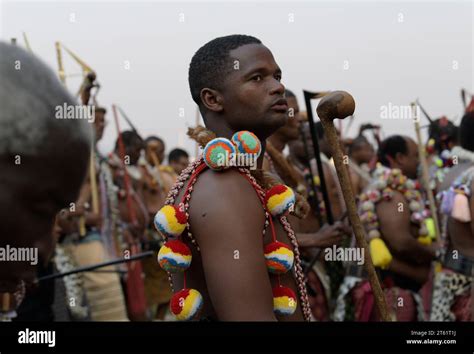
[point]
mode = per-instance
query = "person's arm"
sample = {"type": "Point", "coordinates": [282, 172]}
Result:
{"type": "Point", "coordinates": [394, 219]}
{"type": "Point", "coordinates": [417, 273]}
{"type": "Point", "coordinates": [327, 236]}
{"type": "Point", "coordinates": [227, 219]}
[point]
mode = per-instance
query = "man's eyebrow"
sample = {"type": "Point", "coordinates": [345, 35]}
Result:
{"type": "Point", "coordinates": [262, 69]}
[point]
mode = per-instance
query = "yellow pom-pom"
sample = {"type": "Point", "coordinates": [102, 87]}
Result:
{"type": "Point", "coordinates": [424, 240]}
{"type": "Point", "coordinates": [381, 256]}
{"type": "Point", "coordinates": [430, 225]}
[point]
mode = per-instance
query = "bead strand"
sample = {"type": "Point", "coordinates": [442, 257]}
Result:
{"type": "Point", "coordinates": [291, 235]}
{"type": "Point", "coordinates": [298, 269]}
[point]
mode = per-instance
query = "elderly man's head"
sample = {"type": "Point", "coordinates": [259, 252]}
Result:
{"type": "Point", "coordinates": [43, 160]}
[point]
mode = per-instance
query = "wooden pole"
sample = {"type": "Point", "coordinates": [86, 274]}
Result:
{"type": "Point", "coordinates": [340, 104]}
{"type": "Point", "coordinates": [59, 56]}
{"type": "Point", "coordinates": [424, 167]}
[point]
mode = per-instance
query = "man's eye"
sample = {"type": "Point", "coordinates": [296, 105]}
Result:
{"type": "Point", "coordinates": [257, 78]}
{"type": "Point", "coordinates": [278, 77]}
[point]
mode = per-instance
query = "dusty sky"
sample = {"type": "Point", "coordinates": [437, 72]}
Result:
{"type": "Point", "coordinates": [384, 53]}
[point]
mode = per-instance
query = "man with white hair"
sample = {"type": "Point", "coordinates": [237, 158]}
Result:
{"type": "Point", "coordinates": [43, 162]}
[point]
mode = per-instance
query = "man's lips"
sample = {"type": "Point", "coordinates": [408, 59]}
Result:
{"type": "Point", "coordinates": [280, 105]}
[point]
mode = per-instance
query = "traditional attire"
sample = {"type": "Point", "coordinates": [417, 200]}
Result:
{"type": "Point", "coordinates": [453, 283]}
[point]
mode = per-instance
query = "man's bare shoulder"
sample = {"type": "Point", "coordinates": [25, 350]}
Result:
{"type": "Point", "coordinates": [224, 194]}
{"type": "Point", "coordinates": [393, 207]}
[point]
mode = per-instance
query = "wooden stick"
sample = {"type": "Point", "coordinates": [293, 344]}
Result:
{"type": "Point", "coordinates": [62, 74]}
{"type": "Point", "coordinates": [27, 43]}
{"type": "Point", "coordinates": [94, 191]}
{"type": "Point", "coordinates": [340, 104]}
{"type": "Point", "coordinates": [424, 167]}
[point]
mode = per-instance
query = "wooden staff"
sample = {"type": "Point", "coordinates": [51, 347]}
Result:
{"type": "Point", "coordinates": [62, 74]}
{"type": "Point", "coordinates": [340, 104]}
{"type": "Point", "coordinates": [126, 177]}
{"type": "Point", "coordinates": [27, 43]}
{"type": "Point", "coordinates": [424, 167]}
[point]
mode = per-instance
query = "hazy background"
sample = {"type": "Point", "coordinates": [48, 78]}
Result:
{"type": "Point", "coordinates": [381, 52]}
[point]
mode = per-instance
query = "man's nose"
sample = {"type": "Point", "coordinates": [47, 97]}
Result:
{"type": "Point", "coordinates": [277, 88]}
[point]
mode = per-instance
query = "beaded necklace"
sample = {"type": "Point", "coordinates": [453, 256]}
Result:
{"type": "Point", "coordinates": [387, 181]}
{"type": "Point", "coordinates": [172, 220]}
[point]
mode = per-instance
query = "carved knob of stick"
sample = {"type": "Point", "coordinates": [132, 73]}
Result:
{"type": "Point", "coordinates": [337, 104]}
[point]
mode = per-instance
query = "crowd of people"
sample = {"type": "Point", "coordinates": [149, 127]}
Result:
{"type": "Point", "coordinates": [263, 241]}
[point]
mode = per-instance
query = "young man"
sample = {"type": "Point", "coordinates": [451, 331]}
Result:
{"type": "Point", "coordinates": [178, 159]}
{"type": "Point", "coordinates": [153, 165]}
{"type": "Point", "coordinates": [410, 266]}
{"type": "Point", "coordinates": [43, 162]}
{"type": "Point", "coordinates": [360, 153]}
{"type": "Point", "coordinates": [453, 291]}
{"type": "Point", "coordinates": [237, 85]}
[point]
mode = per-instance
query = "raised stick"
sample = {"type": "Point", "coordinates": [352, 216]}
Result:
{"type": "Point", "coordinates": [424, 166]}
{"type": "Point", "coordinates": [340, 104]}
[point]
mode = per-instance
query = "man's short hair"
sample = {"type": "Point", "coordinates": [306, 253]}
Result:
{"type": "Point", "coordinates": [101, 110]}
{"type": "Point", "coordinates": [129, 138]}
{"type": "Point", "coordinates": [211, 63]}
{"type": "Point", "coordinates": [154, 138]}
{"type": "Point", "coordinates": [29, 95]}
{"type": "Point", "coordinates": [390, 147]}
{"type": "Point", "coordinates": [358, 143]}
{"type": "Point", "coordinates": [176, 154]}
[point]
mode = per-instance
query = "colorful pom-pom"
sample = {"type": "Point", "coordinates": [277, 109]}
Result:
{"type": "Point", "coordinates": [284, 300]}
{"type": "Point", "coordinates": [278, 257]}
{"type": "Point", "coordinates": [368, 206]}
{"type": "Point", "coordinates": [280, 199]}
{"type": "Point", "coordinates": [381, 256]}
{"type": "Point", "coordinates": [174, 256]}
{"type": "Point", "coordinates": [424, 240]}
{"type": "Point", "coordinates": [217, 153]}
{"type": "Point", "coordinates": [170, 221]}
{"type": "Point", "coordinates": [430, 225]}
{"type": "Point", "coordinates": [247, 143]}
{"type": "Point", "coordinates": [186, 304]}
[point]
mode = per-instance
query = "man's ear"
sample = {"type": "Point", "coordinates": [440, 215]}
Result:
{"type": "Point", "coordinates": [400, 158]}
{"type": "Point", "coordinates": [212, 99]}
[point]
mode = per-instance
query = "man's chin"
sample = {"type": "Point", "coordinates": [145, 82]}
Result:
{"type": "Point", "coordinates": [276, 120]}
